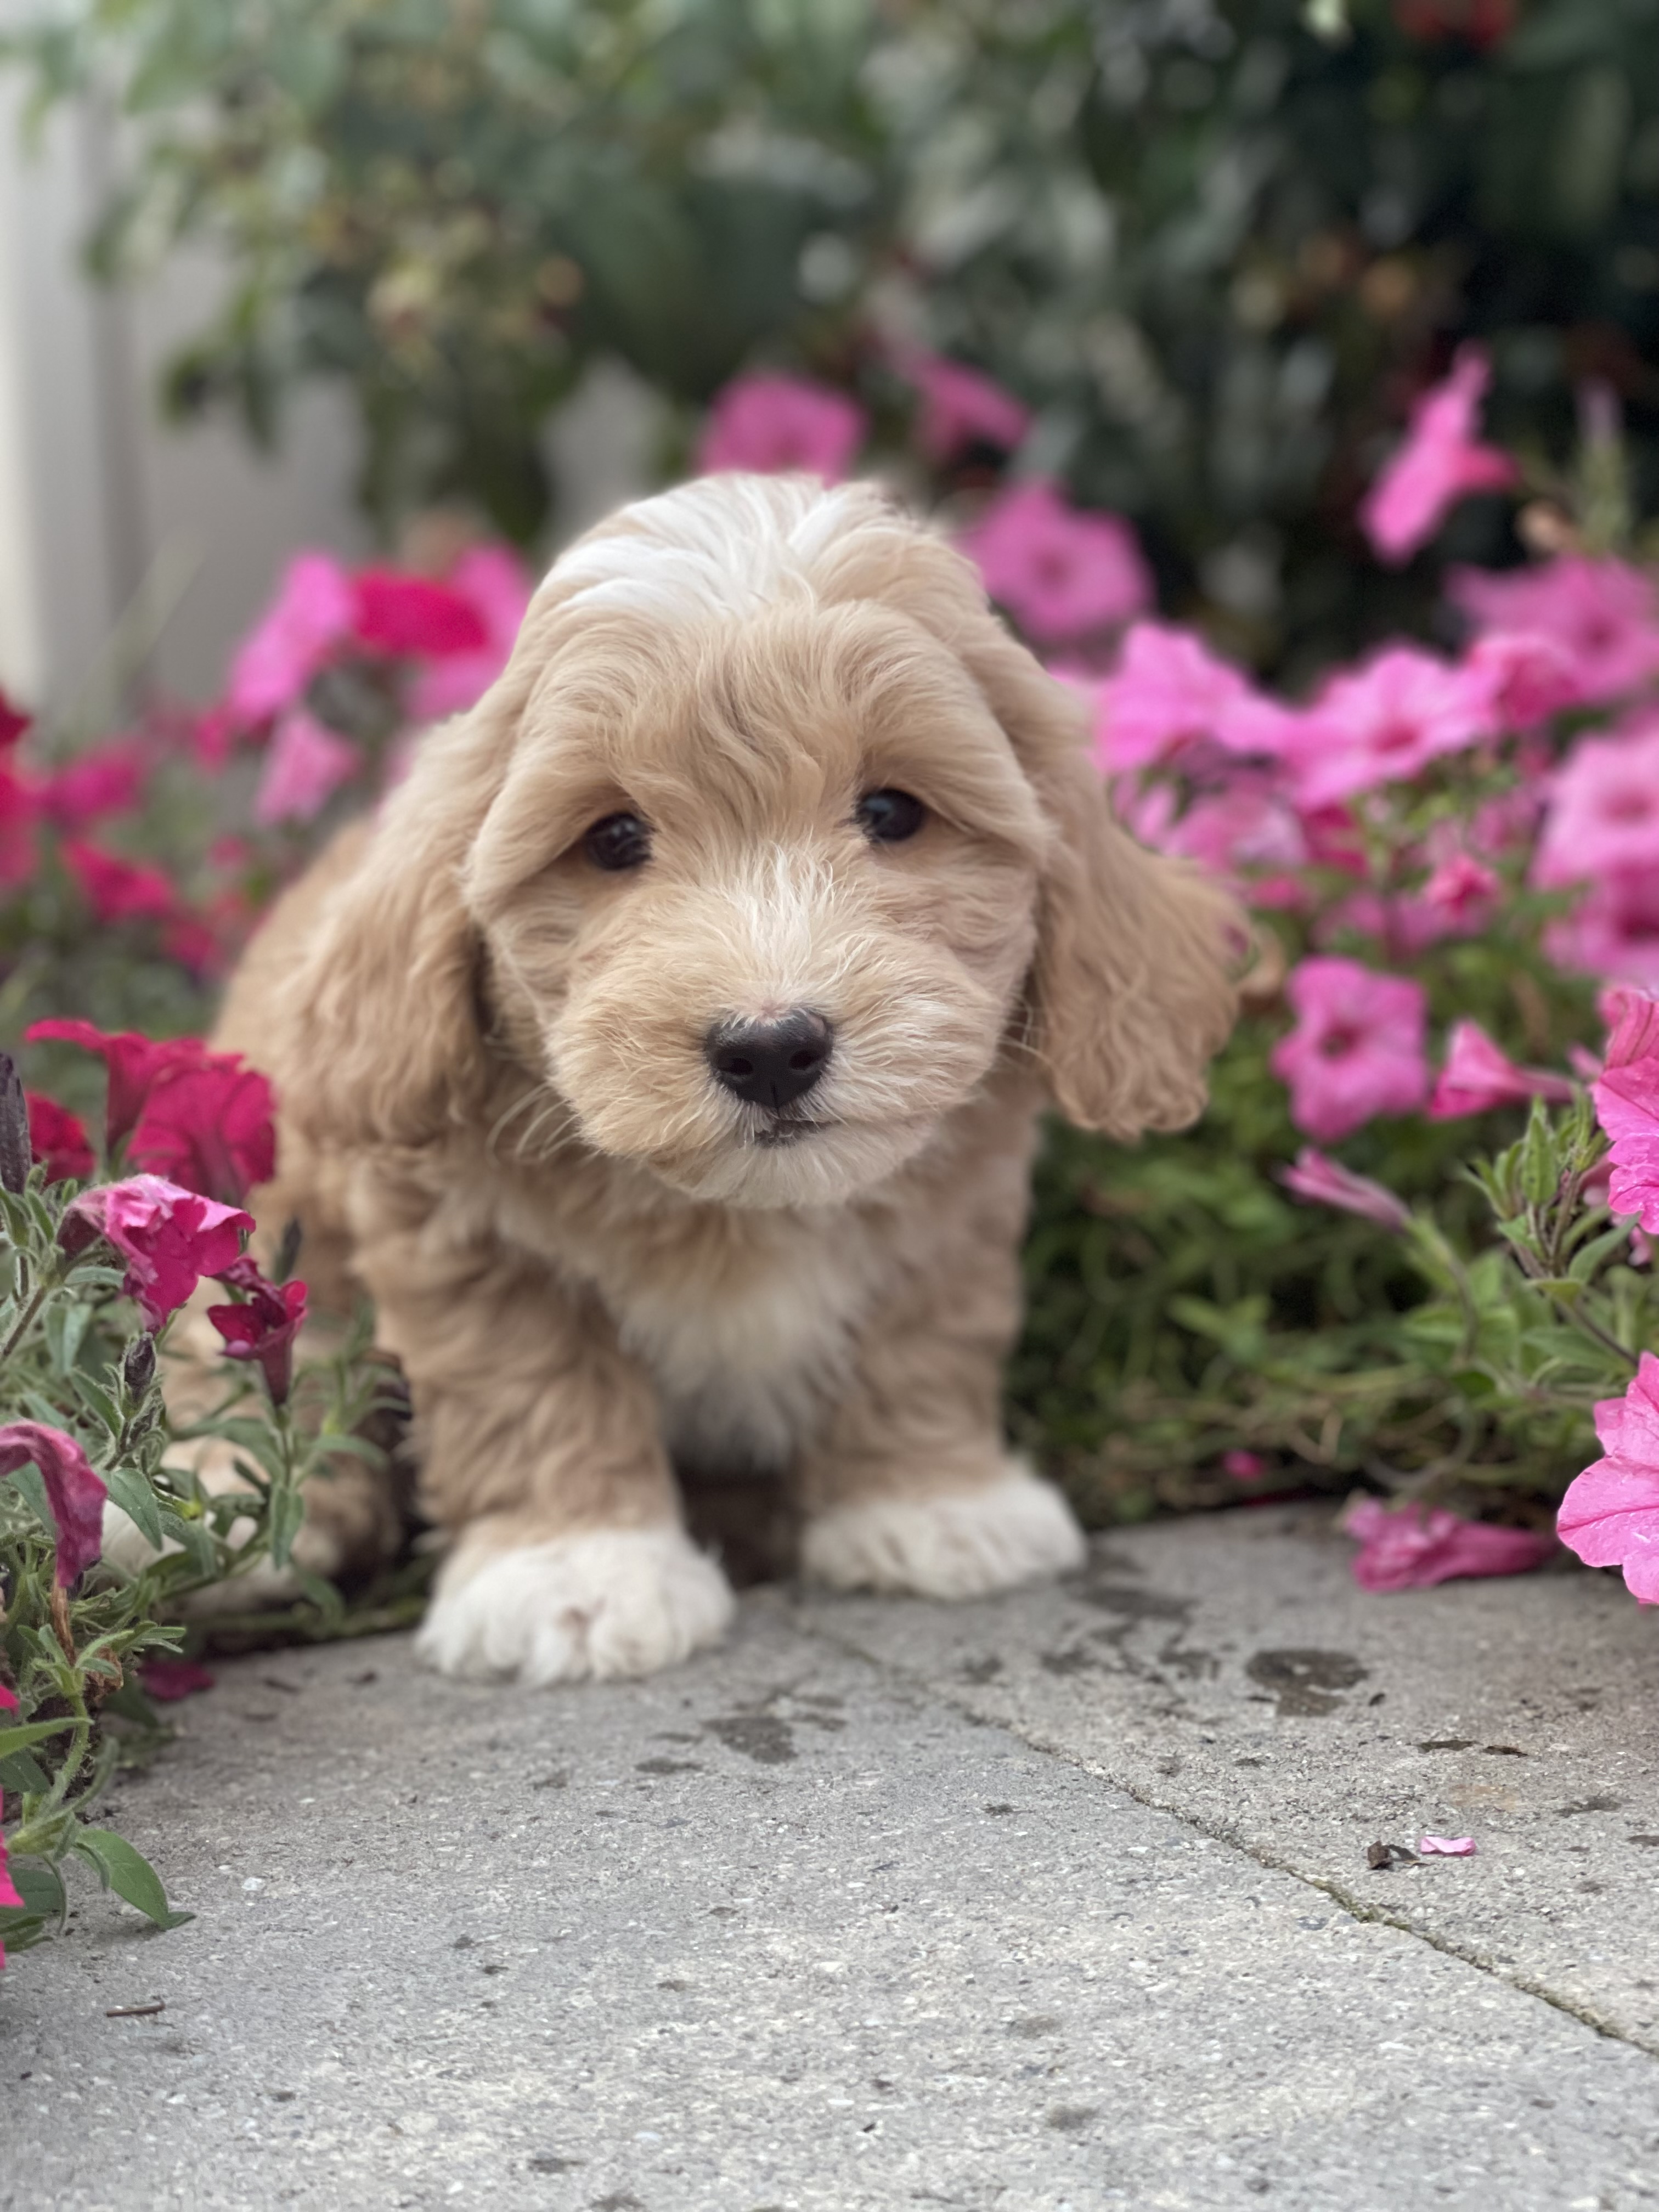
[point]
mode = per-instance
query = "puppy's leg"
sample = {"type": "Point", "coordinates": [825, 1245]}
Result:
{"type": "Point", "coordinates": [911, 1487]}
{"type": "Point", "coordinates": [540, 1450]}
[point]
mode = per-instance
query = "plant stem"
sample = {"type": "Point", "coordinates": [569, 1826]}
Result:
{"type": "Point", "coordinates": [26, 1319]}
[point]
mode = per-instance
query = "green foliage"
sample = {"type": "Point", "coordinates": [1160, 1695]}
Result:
{"type": "Point", "coordinates": [1218, 250]}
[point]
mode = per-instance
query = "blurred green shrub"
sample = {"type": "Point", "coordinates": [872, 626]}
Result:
{"type": "Point", "coordinates": [1217, 251]}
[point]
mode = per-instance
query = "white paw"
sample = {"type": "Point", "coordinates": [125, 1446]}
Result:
{"type": "Point", "coordinates": [613, 1602]}
{"type": "Point", "coordinates": [961, 1544]}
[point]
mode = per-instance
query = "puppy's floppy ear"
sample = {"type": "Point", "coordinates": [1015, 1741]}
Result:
{"type": "Point", "coordinates": [1131, 992]}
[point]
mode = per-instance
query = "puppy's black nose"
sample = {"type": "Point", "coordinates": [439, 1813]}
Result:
{"type": "Point", "coordinates": [770, 1063]}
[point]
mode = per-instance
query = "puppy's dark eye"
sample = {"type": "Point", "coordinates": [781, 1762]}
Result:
{"type": "Point", "coordinates": [621, 841]}
{"type": "Point", "coordinates": [888, 817]}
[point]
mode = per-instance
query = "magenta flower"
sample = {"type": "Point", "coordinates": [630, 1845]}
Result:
{"type": "Point", "coordinates": [1357, 1049]}
{"type": "Point", "coordinates": [1610, 1515]}
{"type": "Point", "coordinates": [1385, 722]}
{"type": "Point", "coordinates": [1060, 574]}
{"type": "Point", "coordinates": [59, 1139]}
{"type": "Point", "coordinates": [168, 1236]}
{"type": "Point", "coordinates": [961, 408]}
{"type": "Point", "coordinates": [1325, 1181]}
{"type": "Point", "coordinates": [134, 1064]}
{"type": "Point", "coordinates": [9, 1893]}
{"type": "Point", "coordinates": [1478, 1076]}
{"type": "Point", "coordinates": [1626, 1095]}
{"type": "Point", "coordinates": [306, 764]}
{"type": "Point", "coordinates": [1439, 463]}
{"type": "Point", "coordinates": [414, 617]}
{"type": "Point", "coordinates": [74, 1493]}
{"type": "Point", "coordinates": [779, 424]}
{"type": "Point", "coordinates": [1245, 831]}
{"type": "Point", "coordinates": [263, 1329]}
{"type": "Point", "coordinates": [167, 1680]}
{"type": "Point", "coordinates": [209, 1127]}
{"type": "Point", "coordinates": [1243, 1465]}
{"type": "Point", "coordinates": [116, 890]}
{"type": "Point", "coordinates": [1601, 613]}
{"type": "Point", "coordinates": [494, 583]}
{"type": "Point", "coordinates": [1461, 889]}
{"type": "Point", "coordinates": [1414, 1547]}
{"type": "Point", "coordinates": [1169, 690]}
{"type": "Point", "coordinates": [313, 612]}
{"type": "Point", "coordinates": [107, 780]}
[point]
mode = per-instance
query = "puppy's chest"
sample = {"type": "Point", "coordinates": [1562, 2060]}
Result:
{"type": "Point", "coordinates": [749, 1346]}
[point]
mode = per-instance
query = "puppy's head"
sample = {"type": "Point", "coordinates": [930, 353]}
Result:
{"type": "Point", "coordinates": [770, 841]}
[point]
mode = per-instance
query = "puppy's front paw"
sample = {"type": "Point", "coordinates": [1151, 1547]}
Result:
{"type": "Point", "coordinates": [961, 1544]}
{"type": "Point", "coordinates": [610, 1601]}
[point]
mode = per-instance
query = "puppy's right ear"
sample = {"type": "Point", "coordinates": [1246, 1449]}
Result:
{"type": "Point", "coordinates": [379, 1030]}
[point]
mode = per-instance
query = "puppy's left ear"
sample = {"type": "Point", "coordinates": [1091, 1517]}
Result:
{"type": "Point", "coordinates": [1132, 991]}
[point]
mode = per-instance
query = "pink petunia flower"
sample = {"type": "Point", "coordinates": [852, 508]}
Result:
{"type": "Point", "coordinates": [107, 780]}
{"type": "Point", "coordinates": [168, 1236]}
{"type": "Point", "coordinates": [1626, 1094]}
{"type": "Point", "coordinates": [1462, 889]}
{"type": "Point", "coordinates": [1529, 676]}
{"type": "Point", "coordinates": [1357, 1049]}
{"type": "Point", "coordinates": [1170, 691]}
{"type": "Point", "coordinates": [961, 407]}
{"type": "Point", "coordinates": [1414, 1547]}
{"type": "Point", "coordinates": [1610, 1515]}
{"type": "Point", "coordinates": [777, 424]}
{"type": "Point", "coordinates": [118, 891]}
{"type": "Point", "coordinates": [209, 1127]}
{"type": "Point", "coordinates": [59, 1139]}
{"type": "Point", "coordinates": [306, 764]}
{"type": "Point", "coordinates": [1439, 463]}
{"type": "Point", "coordinates": [263, 1329]}
{"type": "Point", "coordinates": [1603, 809]}
{"type": "Point", "coordinates": [1614, 931]}
{"type": "Point", "coordinates": [313, 612]}
{"type": "Point", "coordinates": [1386, 721]}
{"type": "Point", "coordinates": [74, 1493]}
{"type": "Point", "coordinates": [1601, 612]}
{"type": "Point", "coordinates": [1478, 1076]}
{"type": "Point", "coordinates": [496, 583]}
{"type": "Point", "coordinates": [1325, 1181]}
{"type": "Point", "coordinates": [1247, 832]}
{"type": "Point", "coordinates": [414, 617]}
{"type": "Point", "coordinates": [167, 1680]}
{"type": "Point", "coordinates": [134, 1063]}
{"type": "Point", "coordinates": [1061, 573]}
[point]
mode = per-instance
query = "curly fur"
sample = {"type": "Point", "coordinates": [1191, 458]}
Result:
{"type": "Point", "coordinates": [496, 1114]}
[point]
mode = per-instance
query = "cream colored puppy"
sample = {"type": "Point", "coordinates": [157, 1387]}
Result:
{"type": "Point", "coordinates": [667, 1062]}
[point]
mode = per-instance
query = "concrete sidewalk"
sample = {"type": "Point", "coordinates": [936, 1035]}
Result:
{"type": "Point", "coordinates": [1057, 1901]}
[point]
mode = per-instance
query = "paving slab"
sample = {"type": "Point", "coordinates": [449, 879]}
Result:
{"type": "Point", "coordinates": [1228, 1669]}
{"type": "Point", "coordinates": [795, 1927]}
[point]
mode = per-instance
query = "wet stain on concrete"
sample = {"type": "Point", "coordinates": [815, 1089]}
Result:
{"type": "Point", "coordinates": [1600, 1803]}
{"type": "Point", "coordinates": [1068, 2119]}
{"type": "Point", "coordinates": [1306, 1682]}
{"type": "Point", "coordinates": [667, 1766]}
{"type": "Point", "coordinates": [761, 1736]}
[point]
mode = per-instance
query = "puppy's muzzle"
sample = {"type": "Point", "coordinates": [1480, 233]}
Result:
{"type": "Point", "coordinates": [770, 1064]}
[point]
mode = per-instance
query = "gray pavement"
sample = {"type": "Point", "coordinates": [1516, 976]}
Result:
{"type": "Point", "coordinates": [1059, 1901]}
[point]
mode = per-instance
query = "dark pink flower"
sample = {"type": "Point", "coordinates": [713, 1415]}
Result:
{"type": "Point", "coordinates": [133, 1062]}
{"type": "Point", "coordinates": [262, 1329]}
{"type": "Point", "coordinates": [1601, 612]}
{"type": "Point", "coordinates": [8, 1892]}
{"type": "Point", "coordinates": [167, 1680]}
{"type": "Point", "coordinates": [107, 780]}
{"type": "Point", "coordinates": [1061, 573]}
{"type": "Point", "coordinates": [962, 408]}
{"type": "Point", "coordinates": [116, 890]}
{"type": "Point", "coordinates": [778, 425]}
{"type": "Point", "coordinates": [306, 764]}
{"type": "Point", "coordinates": [59, 1139]}
{"type": "Point", "coordinates": [1439, 463]}
{"type": "Point", "coordinates": [414, 617]}
{"type": "Point", "coordinates": [1385, 722]}
{"type": "Point", "coordinates": [74, 1493]}
{"type": "Point", "coordinates": [1414, 1547]}
{"type": "Point", "coordinates": [1626, 1095]}
{"type": "Point", "coordinates": [313, 612]}
{"type": "Point", "coordinates": [1325, 1181]}
{"type": "Point", "coordinates": [1462, 889]}
{"type": "Point", "coordinates": [1357, 1049]}
{"type": "Point", "coordinates": [20, 815]}
{"type": "Point", "coordinates": [169, 1237]}
{"type": "Point", "coordinates": [1478, 1076]}
{"type": "Point", "coordinates": [209, 1127]}
{"type": "Point", "coordinates": [1243, 1465]}
{"type": "Point", "coordinates": [496, 583]}
{"type": "Point", "coordinates": [13, 723]}
{"type": "Point", "coordinates": [1610, 1515]}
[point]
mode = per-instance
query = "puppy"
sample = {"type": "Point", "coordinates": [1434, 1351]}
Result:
{"type": "Point", "coordinates": [667, 1060]}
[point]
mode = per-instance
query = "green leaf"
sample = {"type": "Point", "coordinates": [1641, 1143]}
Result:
{"type": "Point", "coordinates": [23, 1772]}
{"type": "Point", "coordinates": [287, 1513]}
{"type": "Point", "coordinates": [66, 1322]}
{"type": "Point", "coordinates": [16, 1739]}
{"type": "Point", "coordinates": [42, 1893]}
{"type": "Point", "coordinates": [130, 1874]}
{"type": "Point", "coordinates": [94, 1395]}
{"type": "Point", "coordinates": [129, 1489]}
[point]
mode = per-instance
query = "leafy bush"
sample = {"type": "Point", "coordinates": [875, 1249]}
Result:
{"type": "Point", "coordinates": [1216, 252]}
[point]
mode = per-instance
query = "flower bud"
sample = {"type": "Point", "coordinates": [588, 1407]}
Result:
{"type": "Point", "coordinates": [14, 1152]}
{"type": "Point", "coordinates": [139, 1366]}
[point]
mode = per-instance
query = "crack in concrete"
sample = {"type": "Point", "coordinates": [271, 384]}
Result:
{"type": "Point", "coordinates": [1358, 1908]}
